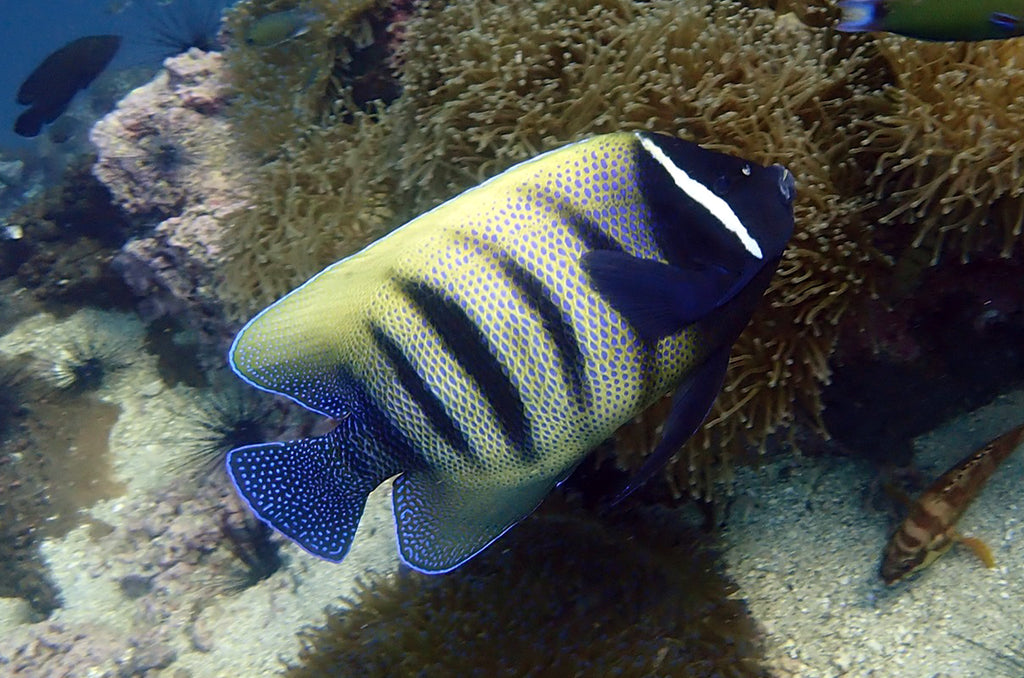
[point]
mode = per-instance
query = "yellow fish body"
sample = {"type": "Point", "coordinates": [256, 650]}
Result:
{"type": "Point", "coordinates": [483, 349]}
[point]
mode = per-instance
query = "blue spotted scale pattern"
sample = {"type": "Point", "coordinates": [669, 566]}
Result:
{"type": "Point", "coordinates": [472, 353]}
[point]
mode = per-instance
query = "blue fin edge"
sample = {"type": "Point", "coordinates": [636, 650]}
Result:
{"type": "Point", "coordinates": [860, 15]}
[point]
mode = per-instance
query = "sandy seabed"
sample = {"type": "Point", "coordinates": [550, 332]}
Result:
{"type": "Point", "coordinates": [806, 551]}
{"type": "Point", "coordinates": [802, 542]}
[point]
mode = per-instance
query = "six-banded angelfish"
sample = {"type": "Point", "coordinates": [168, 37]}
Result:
{"type": "Point", "coordinates": [929, 530]}
{"type": "Point", "coordinates": [480, 351]}
{"type": "Point", "coordinates": [937, 20]}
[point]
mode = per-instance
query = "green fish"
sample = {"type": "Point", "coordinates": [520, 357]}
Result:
{"type": "Point", "coordinates": [483, 349]}
{"type": "Point", "coordinates": [937, 20]}
{"type": "Point", "coordinates": [274, 29]}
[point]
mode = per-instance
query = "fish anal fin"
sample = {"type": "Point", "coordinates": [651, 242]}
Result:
{"type": "Point", "coordinates": [979, 548]}
{"type": "Point", "coordinates": [690, 406]}
{"type": "Point", "coordinates": [442, 523]}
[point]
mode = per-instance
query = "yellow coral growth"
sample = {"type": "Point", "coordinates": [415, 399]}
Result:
{"type": "Point", "coordinates": [951, 159]}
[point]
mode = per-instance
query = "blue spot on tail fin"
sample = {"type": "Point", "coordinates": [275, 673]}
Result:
{"type": "Point", "coordinates": [303, 490]}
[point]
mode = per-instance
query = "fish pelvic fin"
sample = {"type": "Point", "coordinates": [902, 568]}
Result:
{"type": "Point", "coordinates": [309, 490]}
{"type": "Point", "coordinates": [441, 522]}
{"type": "Point", "coordinates": [690, 406]}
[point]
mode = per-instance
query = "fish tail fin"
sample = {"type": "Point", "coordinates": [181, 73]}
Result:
{"type": "Point", "coordinates": [305, 489]}
{"type": "Point", "coordinates": [980, 549]}
{"type": "Point", "coordinates": [861, 15]}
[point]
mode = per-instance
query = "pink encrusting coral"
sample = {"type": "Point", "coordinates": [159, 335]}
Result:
{"type": "Point", "coordinates": [158, 150]}
{"type": "Point", "coordinates": [165, 151]}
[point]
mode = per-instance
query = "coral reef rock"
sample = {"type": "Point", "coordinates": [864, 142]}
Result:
{"type": "Point", "coordinates": [166, 152]}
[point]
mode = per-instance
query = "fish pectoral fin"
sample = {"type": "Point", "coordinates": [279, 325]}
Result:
{"type": "Point", "coordinates": [442, 523]}
{"type": "Point", "coordinates": [657, 299]}
{"type": "Point", "coordinates": [299, 489]}
{"type": "Point", "coordinates": [897, 494]}
{"type": "Point", "coordinates": [690, 406]}
{"type": "Point", "coordinates": [979, 548]}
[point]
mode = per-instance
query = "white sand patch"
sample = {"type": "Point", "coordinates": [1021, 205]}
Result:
{"type": "Point", "coordinates": [806, 549]}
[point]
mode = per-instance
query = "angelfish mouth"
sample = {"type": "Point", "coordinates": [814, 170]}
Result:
{"type": "Point", "coordinates": [787, 184]}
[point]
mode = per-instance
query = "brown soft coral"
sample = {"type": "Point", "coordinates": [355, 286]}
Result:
{"type": "Point", "coordinates": [636, 594]}
{"type": "Point", "coordinates": [951, 153]}
{"type": "Point", "coordinates": [316, 203]}
{"type": "Point", "coordinates": [512, 79]}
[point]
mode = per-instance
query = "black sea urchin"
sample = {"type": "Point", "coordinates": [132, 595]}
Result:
{"type": "Point", "coordinates": [177, 26]}
{"type": "Point", "coordinates": [229, 417]}
{"type": "Point", "coordinates": [12, 395]}
{"type": "Point", "coordinates": [87, 361]}
{"type": "Point", "coordinates": [256, 547]}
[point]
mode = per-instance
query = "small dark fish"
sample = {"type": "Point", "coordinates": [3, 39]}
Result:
{"type": "Point", "coordinates": [53, 84]}
{"type": "Point", "coordinates": [483, 349]}
{"type": "Point", "coordinates": [930, 528]}
{"type": "Point", "coordinates": [937, 20]}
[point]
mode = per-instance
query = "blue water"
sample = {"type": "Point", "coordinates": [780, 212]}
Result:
{"type": "Point", "coordinates": [32, 29]}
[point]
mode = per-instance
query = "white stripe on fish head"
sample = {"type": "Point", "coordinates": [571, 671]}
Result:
{"type": "Point", "coordinates": [703, 196]}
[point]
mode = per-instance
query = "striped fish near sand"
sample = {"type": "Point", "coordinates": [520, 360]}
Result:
{"type": "Point", "coordinates": [929, 530]}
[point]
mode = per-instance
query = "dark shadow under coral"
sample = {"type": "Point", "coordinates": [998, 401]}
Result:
{"type": "Point", "coordinates": [562, 594]}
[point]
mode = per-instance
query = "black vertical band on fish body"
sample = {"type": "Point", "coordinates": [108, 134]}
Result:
{"type": "Point", "coordinates": [414, 384]}
{"type": "Point", "coordinates": [466, 344]}
{"type": "Point", "coordinates": [542, 301]}
{"type": "Point", "coordinates": [366, 420]}
{"type": "Point", "coordinates": [587, 231]}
